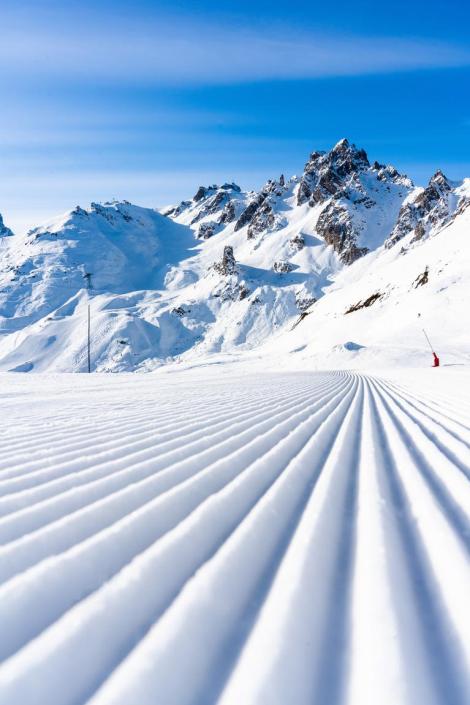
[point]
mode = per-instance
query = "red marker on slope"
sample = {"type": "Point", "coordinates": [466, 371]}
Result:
{"type": "Point", "coordinates": [436, 361]}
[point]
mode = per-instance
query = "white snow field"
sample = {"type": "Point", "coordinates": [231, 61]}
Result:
{"type": "Point", "coordinates": [234, 536]}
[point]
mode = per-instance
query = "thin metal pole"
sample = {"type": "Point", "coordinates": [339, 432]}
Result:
{"type": "Point", "coordinates": [87, 277]}
{"type": "Point", "coordinates": [429, 342]}
{"type": "Point", "coordinates": [89, 342]}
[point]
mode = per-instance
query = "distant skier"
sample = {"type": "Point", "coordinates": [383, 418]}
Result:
{"type": "Point", "coordinates": [436, 362]}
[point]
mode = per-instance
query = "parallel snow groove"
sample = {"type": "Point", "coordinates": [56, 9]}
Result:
{"type": "Point", "coordinates": [100, 437]}
{"type": "Point", "coordinates": [442, 658]}
{"type": "Point", "coordinates": [63, 473]}
{"type": "Point", "coordinates": [97, 559]}
{"type": "Point", "coordinates": [122, 474]}
{"type": "Point", "coordinates": [288, 538]}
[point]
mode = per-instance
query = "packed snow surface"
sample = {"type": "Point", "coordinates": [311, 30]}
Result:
{"type": "Point", "coordinates": [228, 535]}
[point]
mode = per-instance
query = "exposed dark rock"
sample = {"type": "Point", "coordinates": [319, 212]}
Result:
{"type": "Point", "coordinates": [335, 226]}
{"type": "Point", "coordinates": [366, 303]}
{"type": "Point", "coordinates": [104, 212]}
{"type": "Point", "coordinates": [228, 263]}
{"type": "Point", "coordinates": [430, 208]}
{"type": "Point", "coordinates": [422, 279]}
{"type": "Point", "coordinates": [213, 204]}
{"type": "Point", "coordinates": [304, 192]}
{"type": "Point", "coordinates": [247, 215]}
{"type": "Point", "coordinates": [203, 191]}
{"type": "Point", "coordinates": [177, 210]}
{"type": "Point", "coordinates": [243, 291]}
{"type": "Point", "coordinates": [419, 232]}
{"type": "Point", "coordinates": [262, 220]}
{"type": "Point", "coordinates": [231, 187]}
{"type": "Point", "coordinates": [304, 302]}
{"type": "Point", "coordinates": [206, 191]}
{"type": "Point", "coordinates": [206, 230]}
{"type": "Point", "coordinates": [259, 214]}
{"type": "Point", "coordinates": [274, 187]}
{"type": "Point", "coordinates": [283, 266]}
{"type": "Point", "coordinates": [228, 213]}
{"type": "Point", "coordinates": [4, 231]}
{"type": "Point", "coordinates": [297, 242]}
{"type": "Point", "coordinates": [76, 211]}
{"type": "Point", "coordinates": [325, 173]}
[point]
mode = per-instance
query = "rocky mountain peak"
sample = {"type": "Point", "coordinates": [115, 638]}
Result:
{"type": "Point", "coordinates": [326, 173]}
{"type": "Point", "coordinates": [430, 208]}
{"type": "Point", "coordinates": [439, 182]}
{"type": "Point", "coordinates": [207, 191]}
{"type": "Point", "coordinates": [341, 145]}
{"type": "Point", "coordinates": [347, 157]}
{"type": "Point", "coordinates": [4, 231]}
{"type": "Point", "coordinates": [260, 213]}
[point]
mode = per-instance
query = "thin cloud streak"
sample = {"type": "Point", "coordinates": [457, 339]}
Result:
{"type": "Point", "coordinates": [165, 54]}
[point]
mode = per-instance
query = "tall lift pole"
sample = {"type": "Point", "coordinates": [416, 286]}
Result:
{"type": "Point", "coordinates": [89, 287]}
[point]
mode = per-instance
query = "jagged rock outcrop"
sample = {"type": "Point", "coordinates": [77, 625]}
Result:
{"type": "Point", "coordinates": [297, 243]}
{"type": "Point", "coordinates": [431, 207]}
{"type": "Point", "coordinates": [228, 265]}
{"type": "Point", "coordinates": [212, 205]}
{"type": "Point", "coordinates": [207, 191]}
{"type": "Point", "coordinates": [214, 200]}
{"type": "Point", "coordinates": [176, 211]}
{"type": "Point", "coordinates": [325, 173]}
{"type": "Point", "coordinates": [206, 230]}
{"type": "Point", "coordinates": [260, 214]}
{"type": "Point", "coordinates": [304, 302]}
{"type": "Point", "coordinates": [248, 214]}
{"type": "Point", "coordinates": [4, 231]}
{"type": "Point", "coordinates": [264, 219]}
{"type": "Point", "coordinates": [347, 186]}
{"type": "Point", "coordinates": [228, 214]}
{"type": "Point", "coordinates": [336, 227]}
{"type": "Point", "coordinates": [283, 266]}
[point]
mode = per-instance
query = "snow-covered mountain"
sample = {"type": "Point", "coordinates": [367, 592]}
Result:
{"type": "Point", "coordinates": [234, 272]}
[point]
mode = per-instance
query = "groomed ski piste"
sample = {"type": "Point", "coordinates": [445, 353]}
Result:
{"type": "Point", "coordinates": [235, 536]}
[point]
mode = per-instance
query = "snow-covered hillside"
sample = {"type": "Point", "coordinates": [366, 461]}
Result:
{"type": "Point", "coordinates": [375, 311]}
{"type": "Point", "coordinates": [231, 273]}
{"type": "Point", "coordinates": [230, 537]}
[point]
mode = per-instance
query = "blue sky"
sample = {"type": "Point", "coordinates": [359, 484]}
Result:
{"type": "Point", "coordinates": [146, 100]}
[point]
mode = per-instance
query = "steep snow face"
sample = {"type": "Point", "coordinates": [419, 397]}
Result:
{"type": "Point", "coordinates": [430, 208]}
{"type": "Point", "coordinates": [375, 311]}
{"type": "Point", "coordinates": [127, 250]}
{"type": "Point", "coordinates": [124, 247]}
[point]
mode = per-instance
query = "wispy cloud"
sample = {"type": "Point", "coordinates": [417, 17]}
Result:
{"type": "Point", "coordinates": [163, 52]}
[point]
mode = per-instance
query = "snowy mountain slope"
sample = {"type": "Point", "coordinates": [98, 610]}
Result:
{"type": "Point", "coordinates": [430, 208]}
{"type": "Point", "coordinates": [128, 250]}
{"type": "Point", "coordinates": [224, 272]}
{"type": "Point", "coordinates": [223, 536]}
{"type": "Point", "coordinates": [376, 309]}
